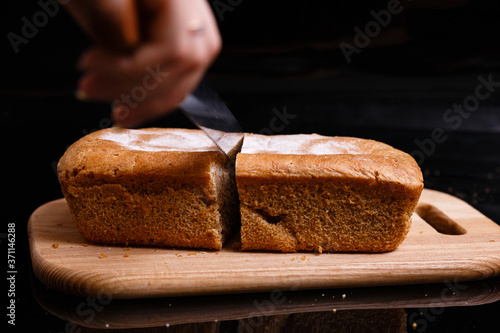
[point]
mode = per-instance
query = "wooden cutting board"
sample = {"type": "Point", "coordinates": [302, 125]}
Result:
{"type": "Point", "coordinates": [64, 261]}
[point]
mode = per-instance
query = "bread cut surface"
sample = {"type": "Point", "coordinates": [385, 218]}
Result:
{"type": "Point", "coordinates": [317, 193]}
{"type": "Point", "coordinates": [150, 187]}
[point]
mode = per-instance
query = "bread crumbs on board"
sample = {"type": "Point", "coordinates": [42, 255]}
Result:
{"type": "Point", "coordinates": [126, 255]}
{"type": "Point", "coordinates": [126, 249]}
{"type": "Point", "coordinates": [102, 256]}
{"type": "Point", "coordinates": [55, 245]}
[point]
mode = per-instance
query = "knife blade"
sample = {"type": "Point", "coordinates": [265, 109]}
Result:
{"type": "Point", "coordinates": [208, 112]}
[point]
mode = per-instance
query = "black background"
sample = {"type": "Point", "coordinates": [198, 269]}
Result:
{"type": "Point", "coordinates": [276, 55]}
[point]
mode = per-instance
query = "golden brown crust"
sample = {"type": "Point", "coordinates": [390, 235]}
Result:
{"type": "Point", "coordinates": [371, 160]}
{"type": "Point", "coordinates": [305, 192]}
{"type": "Point", "coordinates": [107, 159]}
{"type": "Point", "coordinates": [148, 192]}
{"type": "Point", "coordinates": [356, 199]}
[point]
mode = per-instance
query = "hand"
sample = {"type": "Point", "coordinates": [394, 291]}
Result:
{"type": "Point", "coordinates": [178, 41]}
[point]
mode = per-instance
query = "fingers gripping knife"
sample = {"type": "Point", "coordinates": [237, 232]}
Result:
{"type": "Point", "coordinates": [203, 106]}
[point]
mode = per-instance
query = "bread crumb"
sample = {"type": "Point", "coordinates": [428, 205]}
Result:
{"type": "Point", "coordinates": [126, 255]}
{"type": "Point", "coordinates": [55, 245]}
{"type": "Point", "coordinates": [191, 254]}
{"type": "Point", "coordinates": [126, 249]}
{"type": "Point", "coordinates": [414, 326]}
{"type": "Point", "coordinates": [492, 241]}
{"type": "Point", "coordinates": [303, 258]}
{"type": "Point", "coordinates": [320, 249]}
{"type": "Point", "coordinates": [102, 256]}
{"type": "Point", "coordinates": [85, 245]}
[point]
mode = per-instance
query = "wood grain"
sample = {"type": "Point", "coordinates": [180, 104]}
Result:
{"type": "Point", "coordinates": [426, 256]}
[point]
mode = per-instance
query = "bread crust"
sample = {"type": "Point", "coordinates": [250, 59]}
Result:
{"type": "Point", "coordinates": [99, 159]}
{"type": "Point", "coordinates": [296, 193]}
{"type": "Point", "coordinates": [352, 195]}
{"type": "Point", "coordinates": [371, 160]}
{"type": "Point", "coordinates": [148, 191]}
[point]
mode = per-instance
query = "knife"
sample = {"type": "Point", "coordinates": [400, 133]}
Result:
{"type": "Point", "coordinates": [209, 113]}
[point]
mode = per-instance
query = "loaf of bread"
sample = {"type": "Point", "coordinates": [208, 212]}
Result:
{"type": "Point", "coordinates": [150, 187]}
{"type": "Point", "coordinates": [317, 193]}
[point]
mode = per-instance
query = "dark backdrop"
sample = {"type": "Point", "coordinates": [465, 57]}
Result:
{"type": "Point", "coordinates": [279, 56]}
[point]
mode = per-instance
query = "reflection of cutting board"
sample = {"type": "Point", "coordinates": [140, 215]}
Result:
{"type": "Point", "coordinates": [426, 256]}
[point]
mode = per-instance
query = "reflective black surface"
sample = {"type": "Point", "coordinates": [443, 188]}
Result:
{"type": "Point", "coordinates": [281, 71]}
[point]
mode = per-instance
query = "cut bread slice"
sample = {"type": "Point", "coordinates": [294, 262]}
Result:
{"type": "Point", "coordinates": [150, 187]}
{"type": "Point", "coordinates": [317, 193]}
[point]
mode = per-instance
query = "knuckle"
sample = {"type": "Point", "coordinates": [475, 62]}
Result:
{"type": "Point", "coordinates": [191, 55]}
